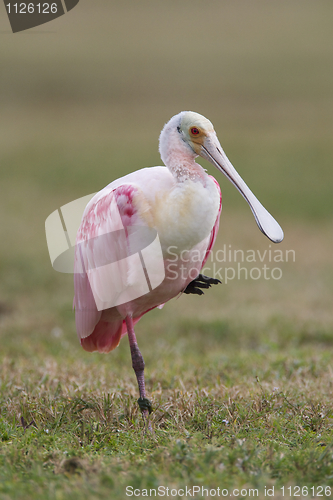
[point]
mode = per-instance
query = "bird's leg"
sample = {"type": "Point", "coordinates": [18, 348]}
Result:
{"type": "Point", "coordinates": [201, 281]}
{"type": "Point", "coordinates": [138, 366]}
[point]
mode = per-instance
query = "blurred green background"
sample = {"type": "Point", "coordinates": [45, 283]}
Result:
{"type": "Point", "coordinates": [83, 100]}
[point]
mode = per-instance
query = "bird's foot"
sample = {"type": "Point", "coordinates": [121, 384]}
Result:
{"type": "Point", "coordinates": [201, 281]}
{"type": "Point", "coordinates": [146, 408]}
{"type": "Point", "coordinates": [145, 404]}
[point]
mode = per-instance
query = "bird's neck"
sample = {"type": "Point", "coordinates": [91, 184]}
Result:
{"type": "Point", "coordinates": [184, 167]}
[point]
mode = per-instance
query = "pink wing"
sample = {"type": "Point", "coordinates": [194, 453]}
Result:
{"type": "Point", "coordinates": [215, 229]}
{"type": "Point", "coordinates": [104, 217]}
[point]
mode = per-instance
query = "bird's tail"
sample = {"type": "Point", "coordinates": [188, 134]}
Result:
{"type": "Point", "coordinates": [106, 336]}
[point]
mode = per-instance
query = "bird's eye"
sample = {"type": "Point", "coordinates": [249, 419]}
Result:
{"type": "Point", "coordinates": [195, 131]}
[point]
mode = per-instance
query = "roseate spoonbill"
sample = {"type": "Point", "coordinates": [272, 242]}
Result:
{"type": "Point", "coordinates": [182, 203]}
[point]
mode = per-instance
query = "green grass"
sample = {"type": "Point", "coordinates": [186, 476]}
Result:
{"type": "Point", "coordinates": [240, 379]}
{"type": "Point", "coordinates": [253, 414]}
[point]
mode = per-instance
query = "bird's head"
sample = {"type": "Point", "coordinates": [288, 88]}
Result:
{"type": "Point", "coordinates": [188, 135]}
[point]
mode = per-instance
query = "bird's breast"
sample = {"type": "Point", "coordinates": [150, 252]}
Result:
{"type": "Point", "coordinates": [186, 214]}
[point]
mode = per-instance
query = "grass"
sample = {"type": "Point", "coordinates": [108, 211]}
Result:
{"type": "Point", "coordinates": [255, 416]}
{"type": "Point", "coordinates": [240, 379]}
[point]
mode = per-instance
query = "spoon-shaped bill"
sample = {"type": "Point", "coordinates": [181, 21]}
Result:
{"type": "Point", "coordinates": [212, 151]}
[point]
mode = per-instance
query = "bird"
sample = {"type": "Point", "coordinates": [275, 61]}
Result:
{"type": "Point", "coordinates": [145, 237]}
